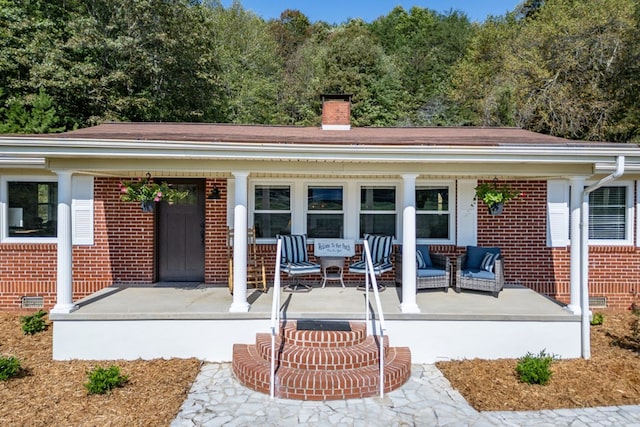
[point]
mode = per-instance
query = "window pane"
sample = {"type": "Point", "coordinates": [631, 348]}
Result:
{"type": "Point", "coordinates": [269, 198]}
{"type": "Point", "coordinates": [378, 224]}
{"type": "Point", "coordinates": [33, 209]}
{"type": "Point", "coordinates": [325, 225]}
{"type": "Point", "coordinates": [377, 199]}
{"type": "Point", "coordinates": [607, 213]}
{"type": "Point", "coordinates": [432, 199]}
{"type": "Point", "coordinates": [324, 199]}
{"type": "Point", "coordinates": [322, 218]}
{"type": "Point", "coordinates": [270, 224]}
{"type": "Point", "coordinates": [432, 226]}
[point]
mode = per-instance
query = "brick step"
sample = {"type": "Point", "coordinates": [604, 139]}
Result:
{"type": "Point", "coordinates": [291, 383]}
{"type": "Point", "coordinates": [365, 353]}
{"type": "Point", "coordinates": [325, 337]}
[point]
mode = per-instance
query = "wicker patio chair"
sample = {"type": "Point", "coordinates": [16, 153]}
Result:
{"type": "Point", "coordinates": [433, 271]}
{"type": "Point", "coordinates": [480, 269]}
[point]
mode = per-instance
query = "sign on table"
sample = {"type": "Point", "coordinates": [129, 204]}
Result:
{"type": "Point", "coordinates": [334, 247]}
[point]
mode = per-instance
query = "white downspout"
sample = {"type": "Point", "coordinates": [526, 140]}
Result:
{"type": "Point", "coordinates": [584, 258]}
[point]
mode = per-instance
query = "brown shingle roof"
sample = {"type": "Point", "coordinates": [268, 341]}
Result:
{"type": "Point", "coordinates": [201, 132]}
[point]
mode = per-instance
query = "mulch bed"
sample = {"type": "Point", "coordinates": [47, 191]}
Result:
{"type": "Point", "coordinates": [51, 393]}
{"type": "Point", "coordinates": [610, 378]}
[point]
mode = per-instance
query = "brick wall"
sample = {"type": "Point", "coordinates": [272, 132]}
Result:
{"type": "Point", "coordinates": [124, 252]}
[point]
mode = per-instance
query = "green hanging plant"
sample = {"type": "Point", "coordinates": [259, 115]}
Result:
{"type": "Point", "coordinates": [145, 190]}
{"type": "Point", "coordinates": [491, 194]}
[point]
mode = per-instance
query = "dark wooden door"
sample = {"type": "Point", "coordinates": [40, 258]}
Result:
{"type": "Point", "coordinates": [181, 235]}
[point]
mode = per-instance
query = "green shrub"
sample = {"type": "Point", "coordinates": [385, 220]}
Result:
{"type": "Point", "coordinates": [597, 319]}
{"type": "Point", "coordinates": [9, 367]}
{"type": "Point", "coordinates": [535, 369]}
{"type": "Point", "coordinates": [102, 380]}
{"type": "Point", "coordinates": [34, 323]}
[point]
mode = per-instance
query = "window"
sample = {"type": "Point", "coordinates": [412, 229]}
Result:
{"type": "Point", "coordinates": [608, 213]}
{"type": "Point", "coordinates": [378, 210]}
{"type": "Point", "coordinates": [325, 214]}
{"type": "Point", "coordinates": [32, 209]}
{"type": "Point", "coordinates": [272, 213]}
{"type": "Point", "coordinates": [432, 213]}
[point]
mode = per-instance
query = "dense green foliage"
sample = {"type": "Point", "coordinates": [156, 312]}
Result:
{"type": "Point", "coordinates": [33, 323]}
{"type": "Point", "coordinates": [9, 367]}
{"type": "Point", "coordinates": [103, 380]}
{"type": "Point", "coordinates": [535, 369]}
{"type": "Point", "coordinates": [563, 67]}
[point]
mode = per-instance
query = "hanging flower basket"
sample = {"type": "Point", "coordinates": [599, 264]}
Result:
{"type": "Point", "coordinates": [148, 193]}
{"type": "Point", "coordinates": [495, 197]}
{"type": "Point", "coordinates": [496, 208]}
{"type": "Point", "coordinates": [147, 206]}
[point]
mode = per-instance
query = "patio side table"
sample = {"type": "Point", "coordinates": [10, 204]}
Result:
{"type": "Point", "coordinates": [332, 262]}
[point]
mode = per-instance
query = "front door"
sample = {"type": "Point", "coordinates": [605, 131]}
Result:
{"type": "Point", "coordinates": [181, 235]}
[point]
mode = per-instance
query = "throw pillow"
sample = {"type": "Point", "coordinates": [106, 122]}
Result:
{"type": "Point", "coordinates": [488, 261]}
{"type": "Point", "coordinates": [420, 263]}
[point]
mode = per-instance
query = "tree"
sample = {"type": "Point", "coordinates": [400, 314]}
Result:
{"type": "Point", "coordinates": [424, 45]}
{"type": "Point", "coordinates": [356, 64]}
{"type": "Point", "coordinates": [35, 114]}
{"type": "Point", "coordinates": [250, 72]}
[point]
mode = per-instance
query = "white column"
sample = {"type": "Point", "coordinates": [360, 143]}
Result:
{"type": "Point", "coordinates": [64, 282]}
{"type": "Point", "coordinates": [409, 304]}
{"type": "Point", "coordinates": [577, 187]}
{"type": "Point", "coordinates": [240, 304]}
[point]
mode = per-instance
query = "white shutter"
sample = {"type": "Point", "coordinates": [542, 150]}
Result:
{"type": "Point", "coordinates": [557, 213]}
{"type": "Point", "coordinates": [467, 215]}
{"type": "Point", "coordinates": [82, 210]}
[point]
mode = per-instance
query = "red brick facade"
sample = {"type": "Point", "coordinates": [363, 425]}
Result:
{"type": "Point", "coordinates": [124, 252]}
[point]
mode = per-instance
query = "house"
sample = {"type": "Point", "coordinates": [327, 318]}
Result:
{"type": "Point", "coordinates": [65, 235]}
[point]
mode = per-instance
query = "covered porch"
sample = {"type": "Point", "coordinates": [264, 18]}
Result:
{"type": "Point", "coordinates": [191, 320]}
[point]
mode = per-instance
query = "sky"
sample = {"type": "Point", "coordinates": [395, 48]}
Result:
{"type": "Point", "coordinates": [339, 11]}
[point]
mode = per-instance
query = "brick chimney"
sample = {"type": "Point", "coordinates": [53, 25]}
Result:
{"type": "Point", "coordinates": [336, 112]}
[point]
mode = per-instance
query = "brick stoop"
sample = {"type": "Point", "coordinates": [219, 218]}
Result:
{"type": "Point", "coordinates": [321, 364]}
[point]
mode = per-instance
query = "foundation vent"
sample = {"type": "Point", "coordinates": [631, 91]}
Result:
{"type": "Point", "coordinates": [32, 302]}
{"type": "Point", "coordinates": [600, 302]}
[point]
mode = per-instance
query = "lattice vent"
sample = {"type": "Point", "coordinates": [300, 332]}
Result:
{"type": "Point", "coordinates": [598, 302]}
{"type": "Point", "coordinates": [32, 302]}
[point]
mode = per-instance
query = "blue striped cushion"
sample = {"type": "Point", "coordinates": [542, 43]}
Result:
{"type": "Point", "coordinates": [380, 247]}
{"type": "Point", "coordinates": [301, 268]}
{"type": "Point", "coordinates": [378, 268]}
{"type": "Point", "coordinates": [294, 248]}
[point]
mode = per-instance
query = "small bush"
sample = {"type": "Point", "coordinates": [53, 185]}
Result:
{"type": "Point", "coordinates": [102, 380]}
{"type": "Point", "coordinates": [597, 319]}
{"type": "Point", "coordinates": [9, 367]}
{"type": "Point", "coordinates": [535, 369]}
{"type": "Point", "coordinates": [34, 323]}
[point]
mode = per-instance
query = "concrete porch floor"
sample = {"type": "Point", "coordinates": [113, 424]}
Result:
{"type": "Point", "coordinates": [190, 301]}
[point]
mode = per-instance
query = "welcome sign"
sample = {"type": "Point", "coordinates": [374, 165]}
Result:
{"type": "Point", "coordinates": [334, 247]}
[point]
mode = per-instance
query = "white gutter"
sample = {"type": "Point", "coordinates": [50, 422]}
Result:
{"type": "Point", "coordinates": [584, 255]}
{"type": "Point", "coordinates": [211, 150]}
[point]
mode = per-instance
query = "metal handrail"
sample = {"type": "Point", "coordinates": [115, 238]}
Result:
{"type": "Point", "coordinates": [275, 317]}
{"type": "Point", "coordinates": [370, 280]}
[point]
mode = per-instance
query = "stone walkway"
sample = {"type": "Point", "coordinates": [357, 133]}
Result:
{"type": "Point", "coordinates": [427, 399]}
